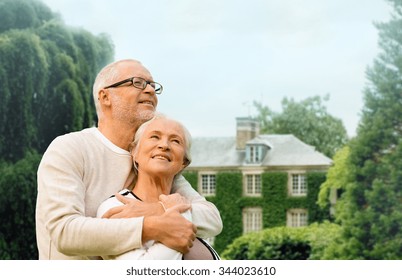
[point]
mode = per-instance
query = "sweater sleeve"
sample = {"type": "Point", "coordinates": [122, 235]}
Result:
{"type": "Point", "coordinates": [150, 250]}
{"type": "Point", "coordinates": [61, 210]}
{"type": "Point", "coordinates": [205, 215]}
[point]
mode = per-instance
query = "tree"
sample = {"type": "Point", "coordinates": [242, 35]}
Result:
{"type": "Point", "coordinates": [338, 177]}
{"type": "Point", "coordinates": [371, 215]}
{"type": "Point", "coordinates": [308, 120]}
{"type": "Point", "coordinates": [21, 14]}
{"type": "Point", "coordinates": [24, 75]}
{"type": "Point", "coordinates": [73, 71]}
{"type": "Point", "coordinates": [46, 71]}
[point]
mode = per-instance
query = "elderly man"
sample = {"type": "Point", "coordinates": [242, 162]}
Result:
{"type": "Point", "coordinates": [81, 169]}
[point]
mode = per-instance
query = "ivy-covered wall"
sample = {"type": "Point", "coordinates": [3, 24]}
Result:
{"type": "Point", "coordinates": [315, 213]}
{"type": "Point", "coordinates": [192, 178]}
{"type": "Point", "coordinates": [274, 193]}
{"type": "Point", "coordinates": [274, 201]}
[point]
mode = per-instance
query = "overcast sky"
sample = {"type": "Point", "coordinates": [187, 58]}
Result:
{"type": "Point", "coordinates": [215, 57]}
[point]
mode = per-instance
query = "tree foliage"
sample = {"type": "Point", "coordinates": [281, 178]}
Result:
{"type": "Point", "coordinates": [23, 61]}
{"type": "Point", "coordinates": [46, 72]}
{"type": "Point", "coordinates": [338, 177]}
{"type": "Point", "coordinates": [22, 14]}
{"type": "Point", "coordinates": [308, 120]}
{"type": "Point", "coordinates": [371, 215]}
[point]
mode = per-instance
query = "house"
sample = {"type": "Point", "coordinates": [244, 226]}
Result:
{"type": "Point", "coordinates": [256, 158]}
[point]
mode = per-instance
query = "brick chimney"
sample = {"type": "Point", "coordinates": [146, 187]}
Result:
{"type": "Point", "coordinates": [247, 129]}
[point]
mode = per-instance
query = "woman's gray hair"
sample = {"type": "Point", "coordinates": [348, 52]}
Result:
{"type": "Point", "coordinates": [140, 131]}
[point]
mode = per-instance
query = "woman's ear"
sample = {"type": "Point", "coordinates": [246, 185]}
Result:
{"type": "Point", "coordinates": [186, 163]}
{"type": "Point", "coordinates": [135, 163]}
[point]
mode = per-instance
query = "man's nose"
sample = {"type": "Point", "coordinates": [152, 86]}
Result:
{"type": "Point", "coordinates": [149, 89]}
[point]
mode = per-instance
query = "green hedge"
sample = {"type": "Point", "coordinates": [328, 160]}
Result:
{"type": "Point", "coordinates": [283, 243]}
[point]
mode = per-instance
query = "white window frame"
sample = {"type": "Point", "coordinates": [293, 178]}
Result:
{"type": "Point", "coordinates": [255, 190]}
{"type": "Point", "coordinates": [301, 189]}
{"type": "Point", "coordinates": [297, 217]}
{"type": "Point", "coordinates": [252, 219]}
{"type": "Point", "coordinates": [255, 154]}
{"type": "Point", "coordinates": [210, 189]}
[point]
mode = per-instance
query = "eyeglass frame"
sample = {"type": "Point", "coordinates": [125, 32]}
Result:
{"type": "Point", "coordinates": [132, 83]}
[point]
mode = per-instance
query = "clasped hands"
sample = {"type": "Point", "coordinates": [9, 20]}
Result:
{"type": "Point", "coordinates": [163, 221]}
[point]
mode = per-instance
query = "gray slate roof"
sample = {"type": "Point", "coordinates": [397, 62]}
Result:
{"type": "Point", "coordinates": [284, 150]}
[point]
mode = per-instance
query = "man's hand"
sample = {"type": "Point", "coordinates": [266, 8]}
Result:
{"type": "Point", "coordinates": [171, 229]}
{"type": "Point", "coordinates": [133, 208]}
{"type": "Point", "coordinates": [172, 200]}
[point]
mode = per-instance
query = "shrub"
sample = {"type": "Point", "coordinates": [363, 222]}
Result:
{"type": "Point", "coordinates": [283, 243]}
{"type": "Point", "coordinates": [17, 208]}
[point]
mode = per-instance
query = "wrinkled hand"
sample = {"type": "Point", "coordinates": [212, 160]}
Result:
{"type": "Point", "coordinates": [172, 200]}
{"type": "Point", "coordinates": [171, 229]}
{"type": "Point", "coordinates": [133, 208]}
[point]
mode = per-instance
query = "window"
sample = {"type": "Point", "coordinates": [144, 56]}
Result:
{"type": "Point", "coordinates": [208, 185]}
{"type": "Point", "coordinates": [297, 218]}
{"type": "Point", "coordinates": [252, 219]}
{"type": "Point", "coordinates": [255, 153]}
{"type": "Point", "coordinates": [252, 184]}
{"type": "Point", "coordinates": [298, 185]}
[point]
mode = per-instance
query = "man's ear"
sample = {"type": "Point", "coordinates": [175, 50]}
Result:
{"type": "Point", "coordinates": [103, 97]}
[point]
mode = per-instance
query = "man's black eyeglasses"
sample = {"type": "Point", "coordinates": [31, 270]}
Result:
{"type": "Point", "coordinates": [139, 83]}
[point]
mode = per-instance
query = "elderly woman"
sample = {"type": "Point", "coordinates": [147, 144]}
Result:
{"type": "Point", "coordinates": [161, 150]}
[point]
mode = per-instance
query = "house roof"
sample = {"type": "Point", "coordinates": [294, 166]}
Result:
{"type": "Point", "coordinates": [283, 150]}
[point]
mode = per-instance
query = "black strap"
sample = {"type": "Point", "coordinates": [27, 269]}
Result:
{"type": "Point", "coordinates": [127, 193]}
{"type": "Point", "coordinates": [209, 247]}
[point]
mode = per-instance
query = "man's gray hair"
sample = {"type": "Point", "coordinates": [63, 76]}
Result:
{"type": "Point", "coordinates": [107, 75]}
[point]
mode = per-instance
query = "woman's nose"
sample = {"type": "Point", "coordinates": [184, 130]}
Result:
{"type": "Point", "coordinates": [163, 144]}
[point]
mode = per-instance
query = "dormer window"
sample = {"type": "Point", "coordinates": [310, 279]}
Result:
{"type": "Point", "coordinates": [255, 153]}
